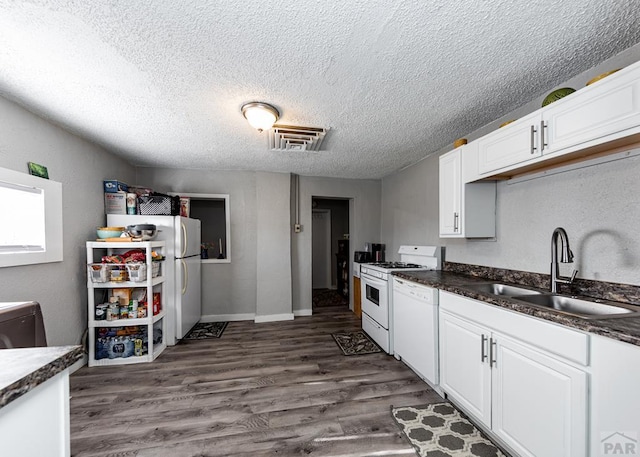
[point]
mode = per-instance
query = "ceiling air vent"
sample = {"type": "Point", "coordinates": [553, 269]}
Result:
{"type": "Point", "coordinates": [296, 138]}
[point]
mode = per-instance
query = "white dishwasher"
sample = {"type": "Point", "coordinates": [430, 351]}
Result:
{"type": "Point", "coordinates": [415, 324]}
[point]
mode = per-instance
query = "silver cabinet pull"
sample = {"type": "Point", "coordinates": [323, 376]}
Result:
{"type": "Point", "coordinates": [533, 139]}
{"type": "Point", "coordinates": [483, 352]}
{"type": "Point", "coordinates": [455, 222]}
{"type": "Point", "coordinates": [543, 143]}
{"type": "Point", "coordinates": [492, 352]}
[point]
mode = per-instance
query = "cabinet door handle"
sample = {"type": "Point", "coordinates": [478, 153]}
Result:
{"type": "Point", "coordinates": [483, 351]}
{"type": "Point", "coordinates": [455, 222]}
{"type": "Point", "coordinates": [543, 143]}
{"type": "Point", "coordinates": [492, 352]}
{"type": "Point", "coordinates": [533, 139]}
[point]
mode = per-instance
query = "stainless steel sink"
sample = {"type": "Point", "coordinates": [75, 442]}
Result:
{"type": "Point", "coordinates": [501, 289]}
{"type": "Point", "coordinates": [596, 309]}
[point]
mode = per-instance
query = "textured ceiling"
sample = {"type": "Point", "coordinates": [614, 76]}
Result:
{"type": "Point", "coordinates": [161, 82]}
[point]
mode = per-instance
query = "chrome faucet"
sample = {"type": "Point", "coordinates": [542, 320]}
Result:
{"type": "Point", "coordinates": [565, 257]}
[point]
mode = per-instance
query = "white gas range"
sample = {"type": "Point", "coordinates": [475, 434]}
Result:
{"type": "Point", "coordinates": [376, 289]}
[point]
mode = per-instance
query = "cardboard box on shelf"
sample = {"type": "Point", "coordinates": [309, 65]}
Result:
{"type": "Point", "coordinates": [115, 203]}
{"type": "Point", "coordinates": [124, 294]}
{"type": "Point", "coordinates": [113, 185]}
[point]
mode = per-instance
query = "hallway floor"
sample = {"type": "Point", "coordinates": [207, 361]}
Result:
{"type": "Point", "coordinates": [328, 298]}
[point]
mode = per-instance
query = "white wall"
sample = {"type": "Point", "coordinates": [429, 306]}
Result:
{"type": "Point", "coordinates": [261, 231]}
{"type": "Point", "coordinates": [81, 167]}
{"type": "Point", "coordinates": [364, 225]}
{"type": "Point", "coordinates": [274, 246]}
{"type": "Point", "coordinates": [596, 205]}
{"type": "Point", "coordinates": [227, 288]}
{"type": "Point", "coordinates": [410, 207]}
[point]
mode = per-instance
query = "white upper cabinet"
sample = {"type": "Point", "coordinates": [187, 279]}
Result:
{"type": "Point", "coordinates": [597, 118]}
{"type": "Point", "coordinates": [450, 193]}
{"type": "Point", "coordinates": [466, 210]}
{"type": "Point", "coordinates": [608, 107]}
{"type": "Point", "coordinates": [516, 143]}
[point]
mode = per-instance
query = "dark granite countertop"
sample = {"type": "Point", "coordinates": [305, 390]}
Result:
{"type": "Point", "coordinates": [24, 369]}
{"type": "Point", "coordinates": [626, 329]}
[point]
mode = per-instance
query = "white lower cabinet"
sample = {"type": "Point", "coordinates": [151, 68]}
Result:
{"type": "Point", "coordinates": [37, 423]}
{"type": "Point", "coordinates": [464, 371]}
{"type": "Point", "coordinates": [538, 402]}
{"type": "Point", "coordinates": [531, 400]}
{"type": "Point", "coordinates": [615, 422]}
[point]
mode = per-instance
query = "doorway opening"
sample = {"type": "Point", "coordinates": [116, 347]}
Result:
{"type": "Point", "coordinates": [330, 253]}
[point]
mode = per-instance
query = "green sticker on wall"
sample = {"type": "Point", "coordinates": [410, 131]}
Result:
{"type": "Point", "coordinates": [38, 170]}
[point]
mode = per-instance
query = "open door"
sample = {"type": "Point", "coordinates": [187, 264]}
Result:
{"type": "Point", "coordinates": [321, 249]}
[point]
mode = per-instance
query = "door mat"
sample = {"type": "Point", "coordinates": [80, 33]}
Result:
{"type": "Point", "coordinates": [204, 330]}
{"type": "Point", "coordinates": [441, 430]}
{"type": "Point", "coordinates": [355, 343]}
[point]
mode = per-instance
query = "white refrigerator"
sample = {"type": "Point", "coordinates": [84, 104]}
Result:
{"type": "Point", "coordinates": [183, 298]}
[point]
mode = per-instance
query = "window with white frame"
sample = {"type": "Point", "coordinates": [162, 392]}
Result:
{"type": "Point", "coordinates": [32, 209]}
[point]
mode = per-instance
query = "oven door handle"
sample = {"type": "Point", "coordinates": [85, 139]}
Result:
{"type": "Point", "coordinates": [373, 281]}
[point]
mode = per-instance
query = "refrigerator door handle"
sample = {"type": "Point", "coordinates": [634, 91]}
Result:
{"type": "Point", "coordinates": [186, 276]}
{"type": "Point", "coordinates": [183, 228]}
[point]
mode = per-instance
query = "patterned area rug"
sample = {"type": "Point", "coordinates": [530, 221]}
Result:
{"type": "Point", "coordinates": [322, 298]}
{"type": "Point", "coordinates": [440, 430]}
{"type": "Point", "coordinates": [355, 343]}
{"type": "Point", "coordinates": [205, 330]}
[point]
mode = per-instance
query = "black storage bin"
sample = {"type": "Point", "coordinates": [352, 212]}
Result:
{"type": "Point", "coordinates": [21, 326]}
{"type": "Point", "coordinates": [158, 205]}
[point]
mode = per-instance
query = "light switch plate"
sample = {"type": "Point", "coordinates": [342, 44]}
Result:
{"type": "Point", "coordinates": [297, 228]}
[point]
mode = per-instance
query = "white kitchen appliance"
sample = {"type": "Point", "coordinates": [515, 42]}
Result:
{"type": "Point", "coordinates": [182, 268]}
{"type": "Point", "coordinates": [415, 328]}
{"type": "Point", "coordinates": [376, 289]}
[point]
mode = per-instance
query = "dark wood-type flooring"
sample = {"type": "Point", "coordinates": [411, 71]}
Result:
{"type": "Point", "coordinates": [281, 388]}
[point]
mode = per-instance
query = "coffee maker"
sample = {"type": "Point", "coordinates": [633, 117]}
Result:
{"type": "Point", "coordinates": [376, 251]}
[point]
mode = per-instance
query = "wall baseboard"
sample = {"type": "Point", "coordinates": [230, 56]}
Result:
{"type": "Point", "coordinates": [274, 318]}
{"type": "Point", "coordinates": [227, 317]}
{"type": "Point", "coordinates": [302, 312]}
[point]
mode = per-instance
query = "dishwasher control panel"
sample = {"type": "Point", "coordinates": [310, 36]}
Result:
{"type": "Point", "coordinates": [412, 289]}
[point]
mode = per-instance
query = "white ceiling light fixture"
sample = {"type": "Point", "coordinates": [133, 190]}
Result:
{"type": "Point", "coordinates": [261, 116]}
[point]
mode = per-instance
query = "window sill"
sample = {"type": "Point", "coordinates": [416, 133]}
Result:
{"type": "Point", "coordinates": [215, 261]}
